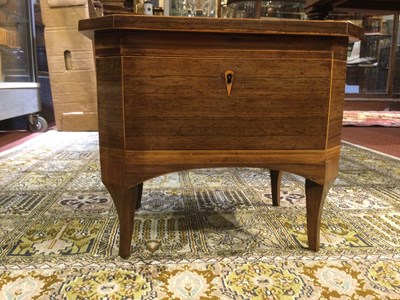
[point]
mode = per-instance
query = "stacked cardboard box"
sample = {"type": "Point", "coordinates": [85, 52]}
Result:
{"type": "Point", "coordinates": [71, 67]}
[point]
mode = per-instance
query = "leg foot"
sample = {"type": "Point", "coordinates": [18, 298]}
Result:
{"type": "Point", "coordinates": [276, 179]}
{"type": "Point", "coordinates": [315, 198]}
{"type": "Point", "coordinates": [139, 195]}
{"type": "Point", "coordinates": [125, 201]}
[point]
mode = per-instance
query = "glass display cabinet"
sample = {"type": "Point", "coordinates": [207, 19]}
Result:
{"type": "Point", "coordinates": [193, 8]}
{"type": "Point", "coordinates": [289, 9]}
{"type": "Point", "coordinates": [19, 87]}
{"type": "Point", "coordinates": [373, 68]}
{"type": "Point", "coordinates": [368, 63]}
{"type": "Point", "coordinates": [258, 9]}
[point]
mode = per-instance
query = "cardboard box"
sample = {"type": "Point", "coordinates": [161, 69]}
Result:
{"type": "Point", "coordinates": [59, 40]}
{"type": "Point", "coordinates": [79, 121]}
{"type": "Point", "coordinates": [76, 112]}
{"type": "Point", "coordinates": [74, 92]}
{"type": "Point", "coordinates": [71, 68]}
{"type": "Point", "coordinates": [77, 61]}
{"type": "Point", "coordinates": [61, 3]}
{"type": "Point", "coordinates": [75, 82]}
{"type": "Point", "coordinates": [63, 16]}
{"type": "Point", "coordinates": [78, 106]}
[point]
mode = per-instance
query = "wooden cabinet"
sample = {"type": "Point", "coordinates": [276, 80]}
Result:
{"type": "Point", "coordinates": [180, 93]}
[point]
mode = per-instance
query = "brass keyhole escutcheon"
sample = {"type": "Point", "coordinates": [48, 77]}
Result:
{"type": "Point", "coordinates": [229, 75]}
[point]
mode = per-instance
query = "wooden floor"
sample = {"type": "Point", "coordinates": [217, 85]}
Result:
{"type": "Point", "coordinates": [382, 139]}
{"type": "Point", "coordinates": [10, 139]}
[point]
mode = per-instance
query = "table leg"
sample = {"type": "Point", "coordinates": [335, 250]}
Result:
{"type": "Point", "coordinates": [315, 198]}
{"type": "Point", "coordinates": [139, 195]}
{"type": "Point", "coordinates": [276, 179]}
{"type": "Point", "coordinates": [125, 201]}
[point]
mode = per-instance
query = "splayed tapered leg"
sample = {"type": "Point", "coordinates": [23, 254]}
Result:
{"type": "Point", "coordinates": [125, 200]}
{"type": "Point", "coordinates": [276, 180]}
{"type": "Point", "coordinates": [315, 198]}
{"type": "Point", "coordinates": [139, 195]}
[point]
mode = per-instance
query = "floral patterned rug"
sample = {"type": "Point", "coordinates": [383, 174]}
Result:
{"type": "Point", "coordinates": [200, 234]}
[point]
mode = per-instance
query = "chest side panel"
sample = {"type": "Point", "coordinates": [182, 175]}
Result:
{"type": "Point", "coordinates": [337, 92]}
{"type": "Point", "coordinates": [110, 101]}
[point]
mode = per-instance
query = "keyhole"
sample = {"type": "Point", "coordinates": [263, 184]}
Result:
{"type": "Point", "coordinates": [229, 78]}
{"type": "Point", "coordinates": [229, 81]}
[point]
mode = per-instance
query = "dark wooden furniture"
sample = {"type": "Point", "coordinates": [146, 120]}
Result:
{"type": "Point", "coordinates": [319, 9]}
{"type": "Point", "coordinates": [181, 93]}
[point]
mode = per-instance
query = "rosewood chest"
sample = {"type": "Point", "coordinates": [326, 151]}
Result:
{"type": "Point", "coordinates": [180, 93]}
